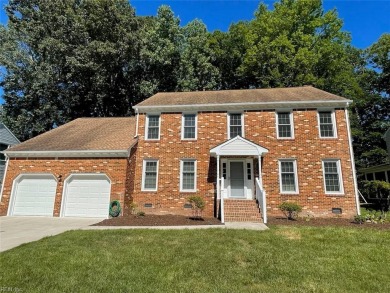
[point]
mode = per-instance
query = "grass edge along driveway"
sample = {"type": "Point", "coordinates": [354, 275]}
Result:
{"type": "Point", "coordinates": [282, 259]}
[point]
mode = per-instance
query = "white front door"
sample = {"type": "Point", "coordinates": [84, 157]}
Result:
{"type": "Point", "coordinates": [239, 178]}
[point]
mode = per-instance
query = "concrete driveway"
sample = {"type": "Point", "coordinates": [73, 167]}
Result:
{"type": "Point", "coordinates": [18, 230]}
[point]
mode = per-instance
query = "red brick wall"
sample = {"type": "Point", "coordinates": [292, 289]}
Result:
{"type": "Point", "coordinates": [260, 127]}
{"type": "Point", "coordinates": [114, 168]}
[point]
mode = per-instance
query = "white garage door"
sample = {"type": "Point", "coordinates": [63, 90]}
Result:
{"type": "Point", "coordinates": [87, 196]}
{"type": "Point", "coordinates": [33, 195]}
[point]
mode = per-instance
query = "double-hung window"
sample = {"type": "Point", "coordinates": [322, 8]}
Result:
{"type": "Point", "coordinates": [326, 121]}
{"type": "Point", "coordinates": [150, 175]}
{"type": "Point", "coordinates": [332, 176]}
{"type": "Point", "coordinates": [288, 176]}
{"type": "Point", "coordinates": [188, 175]}
{"type": "Point", "coordinates": [285, 127]}
{"type": "Point", "coordinates": [235, 125]}
{"type": "Point", "coordinates": [188, 126]}
{"type": "Point", "coordinates": [152, 127]}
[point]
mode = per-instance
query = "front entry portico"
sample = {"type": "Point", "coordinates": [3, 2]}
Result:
{"type": "Point", "coordinates": [235, 174]}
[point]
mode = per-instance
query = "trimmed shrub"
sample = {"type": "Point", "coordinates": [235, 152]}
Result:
{"type": "Point", "coordinates": [198, 205]}
{"type": "Point", "coordinates": [290, 209]}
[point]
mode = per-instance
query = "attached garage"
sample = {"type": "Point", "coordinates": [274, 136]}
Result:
{"type": "Point", "coordinates": [33, 195]}
{"type": "Point", "coordinates": [86, 195]}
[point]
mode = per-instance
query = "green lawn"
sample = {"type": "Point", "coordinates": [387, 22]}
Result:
{"type": "Point", "coordinates": [282, 259]}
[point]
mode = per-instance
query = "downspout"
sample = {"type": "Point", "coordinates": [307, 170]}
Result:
{"type": "Point", "coordinates": [136, 123]}
{"type": "Point", "coordinates": [5, 176]}
{"type": "Point", "coordinates": [352, 161]}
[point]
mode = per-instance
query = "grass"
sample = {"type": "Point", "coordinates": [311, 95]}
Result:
{"type": "Point", "coordinates": [282, 259]}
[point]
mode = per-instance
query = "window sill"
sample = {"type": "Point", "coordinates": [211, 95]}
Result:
{"type": "Point", "coordinates": [335, 194]}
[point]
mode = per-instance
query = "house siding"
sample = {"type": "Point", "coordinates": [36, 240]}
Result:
{"type": "Point", "coordinates": [115, 168]}
{"type": "Point", "coordinates": [6, 137]}
{"type": "Point", "coordinates": [260, 127]}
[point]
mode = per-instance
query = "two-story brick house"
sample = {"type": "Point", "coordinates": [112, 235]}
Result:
{"type": "Point", "coordinates": [291, 144]}
{"type": "Point", "coordinates": [236, 149]}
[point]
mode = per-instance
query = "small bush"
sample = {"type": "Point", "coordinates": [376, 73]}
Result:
{"type": "Point", "coordinates": [373, 217]}
{"type": "Point", "coordinates": [376, 191]}
{"type": "Point", "coordinates": [141, 214]}
{"type": "Point", "coordinates": [198, 205]}
{"type": "Point", "coordinates": [290, 209]}
{"type": "Point", "coordinates": [133, 208]}
{"type": "Point", "coordinates": [360, 219]}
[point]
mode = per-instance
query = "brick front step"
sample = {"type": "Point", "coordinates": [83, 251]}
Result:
{"type": "Point", "coordinates": [242, 211]}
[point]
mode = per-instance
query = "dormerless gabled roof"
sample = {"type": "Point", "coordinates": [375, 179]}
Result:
{"type": "Point", "coordinates": [305, 96]}
{"type": "Point", "coordinates": [83, 137]}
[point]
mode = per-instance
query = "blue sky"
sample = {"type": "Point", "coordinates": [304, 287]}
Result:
{"type": "Point", "coordinates": [366, 20]}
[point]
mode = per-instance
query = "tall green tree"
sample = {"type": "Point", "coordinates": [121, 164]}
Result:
{"type": "Point", "coordinates": [66, 59]}
{"type": "Point", "coordinates": [160, 55]}
{"type": "Point", "coordinates": [371, 107]}
{"type": "Point", "coordinates": [229, 50]}
{"type": "Point", "coordinates": [297, 43]}
{"type": "Point", "coordinates": [196, 71]}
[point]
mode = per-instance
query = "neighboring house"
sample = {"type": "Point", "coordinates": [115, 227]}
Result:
{"type": "Point", "coordinates": [382, 171]}
{"type": "Point", "coordinates": [7, 139]}
{"type": "Point", "coordinates": [73, 170]}
{"type": "Point", "coordinates": [240, 150]}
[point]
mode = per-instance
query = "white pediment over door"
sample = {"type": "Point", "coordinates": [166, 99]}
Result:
{"type": "Point", "coordinates": [238, 146]}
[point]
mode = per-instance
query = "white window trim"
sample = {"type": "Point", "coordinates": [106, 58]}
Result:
{"type": "Point", "coordinates": [294, 161]}
{"type": "Point", "coordinates": [242, 124]}
{"type": "Point", "coordinates": [181, 175]}
{"type": "Point", "coordinates": [333, 116]}
{"type": "Point", "coordinates": [341, 192]}
{"type": "Point", "coordinates": [143, 175]}
{"type": "Point", "coordinates": [196, 126]}
{"type": "Point", "coordinates": [291, 124]}
{"type": "Point", "coordinates": [147, 126]}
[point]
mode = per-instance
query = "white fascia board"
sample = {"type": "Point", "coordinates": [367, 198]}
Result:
{"type": "Point", "coordinates": [69, 154]}
{"type": "Point", "coordinates": [244, 106]}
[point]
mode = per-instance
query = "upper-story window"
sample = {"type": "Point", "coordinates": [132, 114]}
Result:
{"type": "Point", "coordinates": [152, 127]}
{"type": "Point", "coordinates": [285, 128]}
{"type": "Point", "coordinates": [235, 125]}
{"type": "Point", "coordinates": [188, 130]}
{"type": "Point", "coordinates": [2, 157]}
{"type": "Point", "coordinates": [327, 124]}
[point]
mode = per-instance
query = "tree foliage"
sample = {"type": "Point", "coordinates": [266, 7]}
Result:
{"type": "Point", "coordinates": [64, 59]}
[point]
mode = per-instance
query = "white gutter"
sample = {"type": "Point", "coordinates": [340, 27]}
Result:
{"type": "Point", "coordinates": [73, 153]}
{"type": "Point", "coordinates": [136, 123]}
{"type": "Point", "coordinates": [352, 162]}
{"type": "Point", "coordinates": [258, 104]}
{"type": "Point", "coordinates": [5, 175]}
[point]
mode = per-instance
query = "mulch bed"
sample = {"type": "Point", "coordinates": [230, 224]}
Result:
{"type": "Point", "coordinates": [176, 220]}
{"type": "Point", "coordinates": [157, 220]}
{"type": "Point", "coordinates": [321, 222]}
